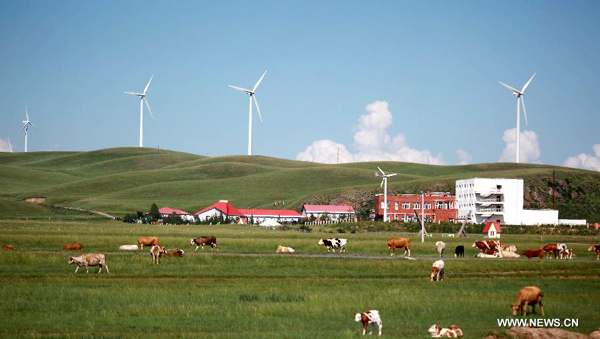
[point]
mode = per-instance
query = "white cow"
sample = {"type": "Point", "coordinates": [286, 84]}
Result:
{"type": "Point", "coordinates": [89, 259]}
{"type": "Point", "coordinates": [440, 246]}
{"type": "Point", "coordinates": [369, 317]}
{"type": "Point", "coordinates": [437, 271]}
{"type": "Point", "coordinates": [284, 249]}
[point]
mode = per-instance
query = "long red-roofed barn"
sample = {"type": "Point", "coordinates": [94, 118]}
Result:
{"type": "Point", "coordinates": [244, 216]}
{"type": "Point", "coordinates": [334, 212]}
{"type": "Point", "coordinates": [167, 211]}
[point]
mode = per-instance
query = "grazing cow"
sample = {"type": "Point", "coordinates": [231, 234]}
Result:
{"type": "Point", "coordinates": [8, 247]}
{"type": "Point", "coordinates": [156, 252]}
{"type": "Point", "coordinates": [459, 251]}
{"type": "Point", "coordinates": [128, 247]}
{"type": "Point", "coordinates": [488, 246]}
{"type": "Point", "coordinates": [394, 243]}
{"type": "Point", "coordinates": [534, 253]}
{"type": "Point", "coordinates": [369, 317]}
{"type": "Point", "coordinates": [437, 271]}
{"type": "Point", "coordinates": [509, 248]}
{"type": "Point", "coordinates": [596, 250]}
{"type": "Point", "coordinates": [204, 241]}
{"type": "Point", "coordinates": [283, 249]}
{"type": "Point", "coordinates": [450, 332]}
{"type": "Point", "coordinates": [334, 243]}
{"type": "Point", "coordinates": [551, 249]}
{"type": "Point", "coordinates": [174, 253]}
{"type": "Point", "coordinates": [147, 241]}
{"type": "Point", "coordinates": [73, 247]}
{"type": "Point", "coordinates": [487, 256]}
{"type": "Point", "coordinates": [89, 259]}
{"type": "Point", "coordinates": [566, 254]}
{"type": "Point", "coordinates": [440, 246]}
{"type": "Point", "coordinates": [529, 295]}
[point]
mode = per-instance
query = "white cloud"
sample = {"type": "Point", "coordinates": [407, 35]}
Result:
{"type": "Point", "coordinates": [464, 157]}
{"type": "Point", "coordinates": [371, 141]}
{"type": "Point", "coordinates": [4, 145]}
{"type": "Point", "coordinates": [529, 147]}
{"type": "Point", "coordinates": [585, 161]}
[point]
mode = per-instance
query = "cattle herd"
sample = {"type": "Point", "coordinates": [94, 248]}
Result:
{"type": "Point", "coordinates": [528, 296]}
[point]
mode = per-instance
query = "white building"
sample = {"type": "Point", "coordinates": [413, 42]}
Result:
{"type": "Point", "coordinates": [498, 200]}
{"type": "Point", "coordinates": [334, 212]}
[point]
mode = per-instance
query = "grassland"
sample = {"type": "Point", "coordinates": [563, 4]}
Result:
{"type": "Point", "coordinates": [237, 292]}
{"type": "Point", "coordinates": [124, 180]}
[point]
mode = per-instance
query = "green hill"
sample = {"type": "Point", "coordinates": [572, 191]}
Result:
{"type": "Point", "coordinates": [122, 180]}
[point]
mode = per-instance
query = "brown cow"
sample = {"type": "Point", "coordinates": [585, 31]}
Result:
{"type": "Point", "coordinates": [488, 246]}
{"type": "Point", "coordinates": [529, 295]}
{"type": "Point", "coordinates": [534, 253]}
{"type": "Point", "coordinates": [147, 241]}
{"type": "Point", "coordinates": [8, 247]}
{"type": "Point", "coordinates": [204, 241]}
{"type": "Point", "coordinates": [596, 250]}
{"type": "Point", "coordinates": [551, 248]}
{"type": "Point", "coordinates": [74, 247]}
{"type": "Point", "coordinates": [394, 243]}
{"type": "Point", "coordinates": [174, 253]}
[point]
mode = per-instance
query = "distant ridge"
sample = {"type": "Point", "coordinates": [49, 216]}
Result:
{"type": "Point", "coordinates": [122, 180]}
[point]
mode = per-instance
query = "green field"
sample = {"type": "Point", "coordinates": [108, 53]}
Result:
{"type": "Point", "coordinates": [239, 292]}
{"type": "Point", "coordinates": [125, 180]}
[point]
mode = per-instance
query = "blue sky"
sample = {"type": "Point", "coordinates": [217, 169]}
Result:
{"type": "Point", "coordinates": [436, 64]}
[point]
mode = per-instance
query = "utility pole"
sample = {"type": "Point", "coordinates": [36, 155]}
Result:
{"type": "Point", "coordinates": [337, 160]}
{"type": "Point", "coordinates": [553, 188]}
{"type": "Point", "coordinates": [422, 217]}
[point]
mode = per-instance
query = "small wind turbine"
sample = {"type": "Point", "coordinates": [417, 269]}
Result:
{"type": "Point", "coordinates": [9, 146]}
{"type": "Point", "coordinates": [384, 184]}
{"type": "Point", "coordinates": [142, 101]}
{"type": "Point", "coordinates": [26, 124]}
{"type": "Point", "coordinates": [520, 100]}
{"type": "Point", "coordinates": [252, 95]}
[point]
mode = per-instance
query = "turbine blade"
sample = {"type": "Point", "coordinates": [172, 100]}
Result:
{"type": "Point", "coordinates": [132, 93]}
{"type": "Point", "coordinates": [381, 185]}
{"type": "Point", "coordinates": [257, 108]}
{"type": "Point", "coordinates": [25, 125]}
{"type": "Point", "coordinates": [509, 87]}
{"type": "Point", "coordinates": [26, 113]}
{"type": "Point", "coordinates": [524, 111]}
{"type": "Point", "coordinates": [33, 125]}
{"type": "Point", "coordinates": [391, 175]}
{"type": "Point", "coordinates": [148, 85]}
{"type": "Point", "coordinates": [528, 82]}
{"type": "Point", "coordinates": [241, 89]}
{"type": "Point", "coordinates": [381, 171]}
{"type": "Point", "coordinates": [259, 81]}
{"type": "Point", "coordinates": [9, 145]}
{"type": "Point", "coordinates": [149, 110]}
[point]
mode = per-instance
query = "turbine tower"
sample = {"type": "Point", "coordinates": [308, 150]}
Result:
{"type": "Point", "coordinates": [520, 101]}
{"type": "Point", "coordinates": [384, 184]}
{"type": "Point", "coordinates": [252, 94]}
{"type": "Point", "coordinates": [26, 124]}
{"type": "Point", "coordinates": [142, 101]}
{"type": "Point", "coordinates": [9, 146]}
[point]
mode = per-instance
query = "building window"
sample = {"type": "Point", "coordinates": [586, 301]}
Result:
{"type": "Point", "coordinates": [417, 205]}
{"type": "Point", "coordinates": [382, 205]}
{"type": "Point", "coordinates": [396, 206]}
{"type": "Point", "coordinates": [450, 205]}
{"type": "Point", "coordinates": [427, 205]}
{"type": "Point", "coordinates": [439, 205]}
{"type": "Point", "coordinates": [492, 233]}
{"type": "Point", "coordinates": [406, 205]}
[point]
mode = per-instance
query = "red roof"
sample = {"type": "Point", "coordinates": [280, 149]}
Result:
{"type": "Point", "coordinates": [222, 206]}
{"type": "Point", "coordinates": [282, 213]}
{"type": "Point", "coordinates": [489, 224]}
{"type": "Point", "coordinates": [328, 209]}
{"type": "Point", "coordinates": [168, 210]}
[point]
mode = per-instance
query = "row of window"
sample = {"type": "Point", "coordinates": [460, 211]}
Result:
{"type": "Point", "coordinates": [439, 205]}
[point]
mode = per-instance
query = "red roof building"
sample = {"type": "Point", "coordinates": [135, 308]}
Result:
{"type": "Point", "coordinates": [167, 211]}
{"type": "Point", "coordinates": [492, 229]}
{"type": "Point", "coordinates": [224, 209]}
{"type": "Point", "coordinates": [332, 211]}
{"type": "Point", "coordinates": [438, 207]}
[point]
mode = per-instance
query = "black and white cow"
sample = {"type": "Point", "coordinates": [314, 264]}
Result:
{"type": "Point", "coordinates": [459, 251]}
{"type": "Point", "coordinates": [334, 243]}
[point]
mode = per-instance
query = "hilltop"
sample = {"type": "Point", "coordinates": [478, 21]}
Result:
{"type": "Point", "coordinates": [122, 180]}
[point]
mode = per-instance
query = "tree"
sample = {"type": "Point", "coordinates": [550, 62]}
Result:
{"type": "Point", "coordinates": [154, 214]}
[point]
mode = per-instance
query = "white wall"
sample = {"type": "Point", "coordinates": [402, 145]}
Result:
{"type": "Point", "coordinates": [210, 214]}
{"type": "Point", "coordinates": [573, 222]}
{"type": "Point", "coordinates": [539, 217]}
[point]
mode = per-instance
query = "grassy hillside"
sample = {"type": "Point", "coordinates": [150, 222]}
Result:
{"type": "Point", "coordinates": [124, 180]}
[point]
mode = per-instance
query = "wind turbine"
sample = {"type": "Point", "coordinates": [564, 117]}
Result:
{"type": "Point", "coordinates": [142, 101]}
{"type": "Point", "coordinates": [252, 95]}
{"type": "Point", "coordinates": [26, 124]}
{"type": "Point", "coordinates": [9, 145]}
{"type": "Point", "coordinates": [520, 101]}
{"type": "Point", "coordinates": [384, 184]}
